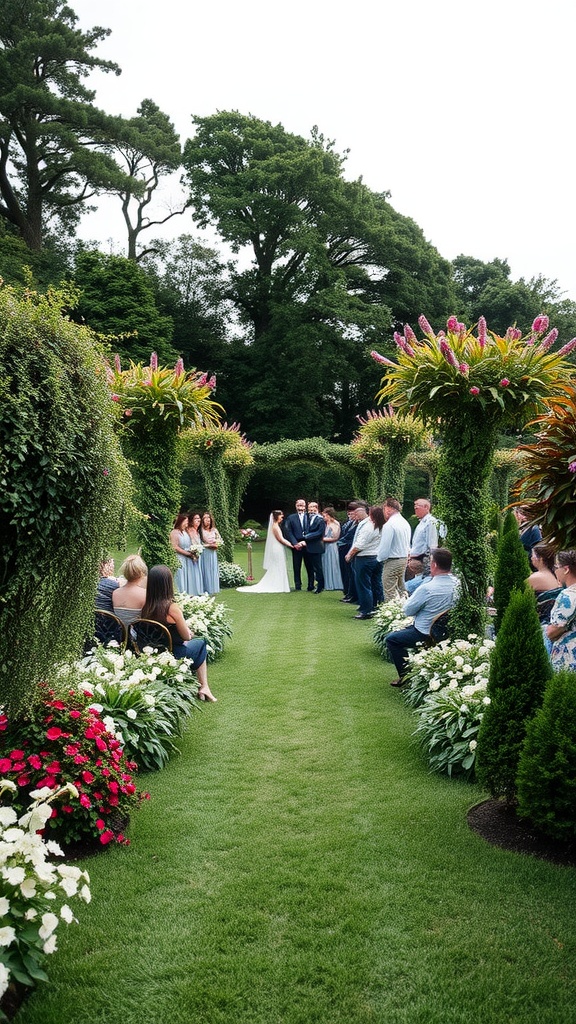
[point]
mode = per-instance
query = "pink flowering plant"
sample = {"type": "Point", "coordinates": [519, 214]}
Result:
{"type": "Point", "coordinates": [162, 393]}
{"type": "Point", "coordinates": [65, 741]}
{"type": "Point", "coordinates": [471, 384]}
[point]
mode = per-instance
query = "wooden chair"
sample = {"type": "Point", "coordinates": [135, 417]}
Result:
{"type": "Point", "coordinates": [148, 633]}
{"type": "Point", "coordinates": [107, 627]}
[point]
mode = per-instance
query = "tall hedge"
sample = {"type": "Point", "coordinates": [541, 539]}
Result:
{"type": "Point", "coordinates": [63, 487]}
{"type": "Point", "coordinates": [547, 767]}
{"type": "Point", "coordinates": [519, 670]}
{"type": "Point", "coordinates": [512, 567]}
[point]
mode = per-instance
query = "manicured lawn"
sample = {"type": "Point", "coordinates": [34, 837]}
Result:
{"type": "Point", "coordinates": [298, 864]}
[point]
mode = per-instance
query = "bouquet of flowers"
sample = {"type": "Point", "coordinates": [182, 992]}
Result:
{"type": "Point", "coordinates": [196, 550]}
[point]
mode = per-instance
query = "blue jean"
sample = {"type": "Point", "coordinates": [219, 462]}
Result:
{"type": "Point", "coordinates": [399, 643]}
{"type": "Point", "coordinates": [368, 575]}
{"type": "Point", "coordinates": [194, 649]}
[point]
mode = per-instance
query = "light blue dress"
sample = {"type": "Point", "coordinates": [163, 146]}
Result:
{"type": "Point", "coordinates": [331, 565]}
{"type": "Point", "coordinates": [209, 564]}
{"type": "Point", "coordinates": [181, 576]}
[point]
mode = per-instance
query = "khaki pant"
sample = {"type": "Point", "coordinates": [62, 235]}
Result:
{"type": "Point", "coordinates": [393, 578]}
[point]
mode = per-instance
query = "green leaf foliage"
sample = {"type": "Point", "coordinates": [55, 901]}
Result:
{"type": "Point", "coordinates": [519, 670]}
{"type": "Point", "coordinates": [64, 487]}
{"type": "Point", "coordinates": [547, 767]}
{"type": "Point", "coordinates": [512, 567]}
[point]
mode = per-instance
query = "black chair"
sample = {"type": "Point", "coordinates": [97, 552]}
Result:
{"type": "Point", "coordinates": [148, 633]}
{"type": "Point", "coordinates": [438, 629]}
{"type": "Point", "coordinates": [107, 627]}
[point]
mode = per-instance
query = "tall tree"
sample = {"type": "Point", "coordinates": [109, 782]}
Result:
{"type": "Point", "coordinates": [333, 267]}
{"type": "Point", "coordinates": [148, 150]}
{"type": "Point", "coordinates": [52, 138]}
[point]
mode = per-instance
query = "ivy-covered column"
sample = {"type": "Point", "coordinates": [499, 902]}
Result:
{"type": "Point", "coordinates": [471, 386]}
{"type": "Point", "coordinates": [383, 443]}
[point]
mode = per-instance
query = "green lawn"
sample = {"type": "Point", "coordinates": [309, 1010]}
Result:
{"type": "Point", "coordinates": [298, 864]}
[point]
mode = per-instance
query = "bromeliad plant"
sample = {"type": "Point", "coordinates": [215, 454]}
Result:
{"type": "Point", "coordinates": [472, 384]}
{"type": "Point", "coordinates": [156, 404]}
{"type": "Point", "coordinates": [207, 618]}
{"type": "Point", "coordinates": [384, 442]}
{"type": "Point", "coordinates": [32, 887]}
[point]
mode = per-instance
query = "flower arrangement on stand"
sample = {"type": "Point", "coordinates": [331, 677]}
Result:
{"type": "Point", "coordinates": [32, 890]}
{"type": "Point", "coordinates": [64, 740]}
{"type": "Point", "coordinates": [249, 536]}
{"type": "Point", "coordinates": [207, 618]}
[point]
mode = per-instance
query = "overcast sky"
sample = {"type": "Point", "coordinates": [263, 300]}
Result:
{"type": "Point", "coordinates": [464, 112]}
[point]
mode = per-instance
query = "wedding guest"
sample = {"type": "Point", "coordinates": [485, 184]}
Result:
{"type": "Point", "coordinates": [181, 544]}
{"type": "Point", "coordinates": [562, 628]}
{"type": "Point", "coordinates": [344, 543]}
{"type": "Point", "coordinates": [211, 541]}
{"type": "Point", "coordinates": [107, 584]}
{"type": "Point", "coordinates": [330, 560]}
{"type": "Point", "coordinates": [367, 568]}
{"type": "Point", "coordinates": [161, 607]}
{"type": "Point", "coordinates": [393, 550]}
{"type": "Point", "coordinates": [529, 535]}
{"type": "Point", "coordinates": [129, 599]}
{"type": "Point", "coordinates": [194, 577]}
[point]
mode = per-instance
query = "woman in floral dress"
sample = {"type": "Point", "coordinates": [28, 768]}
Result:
{"type": "Point", "coordinates": [562, 628]}
{"type": "Point", "coordinates": [211, 540]}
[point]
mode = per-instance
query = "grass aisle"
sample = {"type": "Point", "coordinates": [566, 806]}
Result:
{"type": "Point", "coordinates": [297, 863]}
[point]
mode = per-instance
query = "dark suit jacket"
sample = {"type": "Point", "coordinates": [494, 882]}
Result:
{"type": "Point", "coordinates": [313, 535]}
{"type": "Point", "coordinates": [292, 529]}
{"type": "Point", "coordinates": [344, 542]}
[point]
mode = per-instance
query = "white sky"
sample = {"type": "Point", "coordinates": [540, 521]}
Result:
{"type": "Point", "coordinates": [463, 111]}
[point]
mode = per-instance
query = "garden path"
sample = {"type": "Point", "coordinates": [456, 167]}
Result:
{"type": "Point", "coordinates": [298, 864]}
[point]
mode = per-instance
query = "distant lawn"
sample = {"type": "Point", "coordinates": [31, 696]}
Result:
{"type": "Point", "coordinates": [297, 863]}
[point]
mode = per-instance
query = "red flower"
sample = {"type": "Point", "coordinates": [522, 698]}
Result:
{"type": "Point", "coordinates": [504, 382]}
{"type": "Point", "coordinates": [474, 391]}
{"type": "Point", "coordinates": [113, 786]}
{"type": "Point", "coordinates": [88, 777]}
{"type": "Point", "coordinates": [54, 733]}
{"type": "Point", "coordinates": [67, 809]}
{"type": "Point", "coordinates": [58, 704]}
{"type": "Point", "coordinates": [16, 755]}
{"type": "Point", "coordinates": [53, 768]}
{"type": "Point", "coordinates": [35, 761]}
{"type": "Point", "coordinates": [85, 801]}
{"type": "Point", "coordinates": [5, 765]}
{"type": "Point", "coordinates": [101, 744]}
{"type": "Point", "coordinates": [23, 780]}
{"type": "Point", "coordinates": [18, 766]}
{"type": "Point", "coordinates": [106, 836]}
{"type": "Point", "coordinates": [3, 723]}
{"type": "Point", "coordinates": [100, 824]}
{"type": "Point", "coordinates": [75, 714]}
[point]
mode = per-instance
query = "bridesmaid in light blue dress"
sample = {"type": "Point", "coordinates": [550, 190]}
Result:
{"type": "Point", "coordinates": [211, 540]}
{"type": "Point", "coordinates": [195, 580]}
{"type": "Point", "coordinates": [180, 541]}
{"type": "Point", "coordinates": [330, 560]}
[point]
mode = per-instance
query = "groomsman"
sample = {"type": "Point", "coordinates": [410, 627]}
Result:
{"type": "Point", "coordinates": [344, 543]}
{"type": "Point", "coordinates": [314, 547]}
{"type": "Point", "coordinates": [294, 526]}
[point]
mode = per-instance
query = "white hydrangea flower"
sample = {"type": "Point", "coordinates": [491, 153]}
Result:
{"type": "Point", "coordinates": [8, 816]}
{"type": "Point", "coordinates": [131, 713]}
{"type": "Point", "coordinates": [7, 935]}
{"type": "Point", "coordinates": [472, 745]}
{"type": "Point", "coordinates": [50, 946]}
{"type": "Point", "coordinates": [14, 876]}
{"type": "Point", "coordinates": [4, 979]}
{"type": "Point", "coordinates": [486, 700]}
{"type": "Point", "coordinates": [4, 905]}
{"type": "Point", "coordinates": [28, 888]}
{"type": "Point", "coordinates": [66, 914]}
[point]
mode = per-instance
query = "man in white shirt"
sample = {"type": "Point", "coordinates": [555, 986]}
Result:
{"type": "Point", "coordinates": [425, 538]}
{"type": "Point", "coordinates": [393, 549]}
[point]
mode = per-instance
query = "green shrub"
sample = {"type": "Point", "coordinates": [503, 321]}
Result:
{"type": "Point", "coordinates": [519, 669]}
{"type": "Point", "coordinates": [231, 575]}
{"type": "Point", "coordinates": [547, 768]}
{"type": "Point", "coordinates": [64, 486]}
{"type": "Point", "coordinates": [512, 567]}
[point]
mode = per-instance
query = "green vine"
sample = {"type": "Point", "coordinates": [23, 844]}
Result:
{"type": "Point", "coordinates": [384, 442]}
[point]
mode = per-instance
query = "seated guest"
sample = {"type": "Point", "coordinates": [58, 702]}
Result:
{"type": "Point", "coordinates": [529, 535]}
{"type": "Point", "coordinates": [562, 628]}
{"type": "Point", "coordinates": [160, 607]}
{"type": "Point", "coordinates": [433, 597]}
{"type": "Point", "coordinates": [128, 600]}
{"type": "Point", "coordinates": [543, 578]}
{"type": "Point", "coordinates": [107, 584]}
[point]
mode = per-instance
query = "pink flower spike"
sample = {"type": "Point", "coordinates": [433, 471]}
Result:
{"type": "Point", "coordinates": [513, 334]}
{"type": "Point", "coordinates": [482, 335]}
{"type": "Point", "coordinates": [153, 361]}
{"type": "Point", "coordinates": [409, 335]}
{"type": "Point", "coordinates": [212, 382]}
{"type": "Point", "coordinates": [566, 349]}
{"type": "Point", "coordinates": [424, 325]}
{"type": "Point", "coordinates": [464, 368]}
{"type": "Point", "coordinates": [572, 467]}
{"type": "Point", "coordinates": [504, 382]}
{"type": "Point", "coordinates": [452, 324]}
{"type": "Point", "coordinates": [548, 341]}
{"type": "Point", "coordinates": [448, 354]}
{"type": "Point", "coordinates": [117, 363]}
{"type": "Point", "coordinates": [381, 359]}
{"type": "Point", "coordinates": [179, 368]}
{"type": "Point", "coordinates": [474, 391]}
{"type": "Point", "coordinates": [202, 380]}
{"type": "Point", "coordinates": [540, 324]}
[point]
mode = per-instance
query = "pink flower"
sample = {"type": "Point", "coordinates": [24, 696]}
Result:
{"type": "Point", "coordinates": [452, 324]}
{"type": "Point", "coordinates": [54, 733]}
{"type": "Point", "coordinates": [117, 363]}
{"type": "Point", "coordinates": [381, 359]}
{"type": "Point", "coordinates": [202, 380]}
{"type": "Point", "coordinates": [115, 398]}
{"type": "Point", "coordinates": [424, 325]}
{"type": "Point", "coordinates": [474, 391]}
{"type": "Point", "coordinates": [548, 341]}
{"type": "Point", "coordinates": [85, 800]}
{"type": "Point", "coordinates": [566, 349]}
{"type": "Point", "coordinates": [106, 836]}
{"type": "Point", "coordinates": [88, 777]}
{"type": "Point", "coordinates": [212, 382]}
{"type": "Point", "coordinates": [513, 334]}
{"type": "Point", "coordinates": [464, 368]}
{"type": "Point", "coordinates": [403, 344]}
{"type": "Point", "coordinates": [153, 361]}
{"type": "Point", "coordinates": [448, 354]}
{"type": "Point", "coordinates": [6, 765]}
{"type": "Point", "coordinates": [504, 382]}
{"type": "Point", "coordinates": [100, 824]}
{"type": "Point", "coordinates": [572, 467]}
{"type": "Point", "coordinates": [482, 336]}
{"type": "Point", "coordinates": [179, 368]}
{"type": "Point", "coordinates": [105, 472]}
{"type": "Point", "coordinates": [540, 324]}
{"type": "Point", "coordinates": [409, 335]}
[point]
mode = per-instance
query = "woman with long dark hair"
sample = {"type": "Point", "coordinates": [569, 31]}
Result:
{"type": "Point", "coordinates": [161, 607]}
{"type": "Point", "coordinates": [211, 540]}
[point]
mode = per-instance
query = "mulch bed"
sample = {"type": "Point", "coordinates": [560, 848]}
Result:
{"type": "Point", "coordinates": [497, 823]}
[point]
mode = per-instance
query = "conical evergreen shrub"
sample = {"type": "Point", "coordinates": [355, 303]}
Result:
{"type": "Point", "coordinates": [546, 778]}
{"type": "Point", "coordinates": [519, 670]}
{"type": "Point", "coordinates": [512, 567]}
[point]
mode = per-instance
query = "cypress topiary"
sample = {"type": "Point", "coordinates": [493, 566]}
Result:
{"type": "Point", "coordinates": [547, 768]}
{"type": "Point", "coordinates": [519, 669]}
{"type": "Point", "coordinates": [512, 567]}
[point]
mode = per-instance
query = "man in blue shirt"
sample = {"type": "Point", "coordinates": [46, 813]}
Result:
{"type": "Point", "coordinates": [432, 598]}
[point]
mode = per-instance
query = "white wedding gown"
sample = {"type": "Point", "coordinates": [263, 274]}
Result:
{"type": "Point", "coordinates": [275, 579]}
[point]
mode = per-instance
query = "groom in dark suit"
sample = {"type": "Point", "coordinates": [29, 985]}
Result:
{"type": "Point", "coordinates": [314, 530]}
{"type": "Point", "coordinates": [294, 526]}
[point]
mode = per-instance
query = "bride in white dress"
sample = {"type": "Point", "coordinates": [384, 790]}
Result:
{"type": "Point", "coordinates": [275, 579]}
